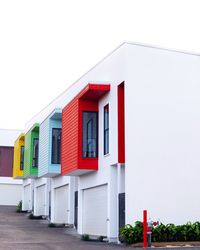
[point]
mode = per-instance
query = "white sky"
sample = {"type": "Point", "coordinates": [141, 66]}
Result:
{"type": "Point", "coordinates": [46, 45]}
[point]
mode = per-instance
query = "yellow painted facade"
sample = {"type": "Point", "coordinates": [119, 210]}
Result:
{"type": "Point", "coordinates": [17, 172]}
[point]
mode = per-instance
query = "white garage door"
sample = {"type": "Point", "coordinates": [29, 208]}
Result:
{"type": "Point", "coordinates": [40, 200]}
{"type": "Point", "coordinates": [95, 211]}
{"type": "Point", "coordinates": [27, 198]}
{"type": "Point", "coordinates": [61, 204]}
{"type": "Point", "coordinates": [10, 194]}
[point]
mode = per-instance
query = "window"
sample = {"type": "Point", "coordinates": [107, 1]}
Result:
{"type": "Point", "coordinates": [22, 158]}
{"type": "Point", "coordinates": [106, 129]}
{"type": "Point", "coordinates": [35, 152]}
{"type": "Point", "coordinates": [56, 146]}
{"type": "Point", "coordinates": [90, 134]}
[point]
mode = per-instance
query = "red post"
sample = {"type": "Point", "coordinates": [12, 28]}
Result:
{"type": "Point", "coordinates": [145, 228]}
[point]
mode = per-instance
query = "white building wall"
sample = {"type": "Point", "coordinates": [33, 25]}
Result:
{"type": "Point", "coordinates": [162, 105]}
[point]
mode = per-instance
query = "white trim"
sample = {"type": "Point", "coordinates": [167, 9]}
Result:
{"type": "Point", "coordinates": [10, 180]}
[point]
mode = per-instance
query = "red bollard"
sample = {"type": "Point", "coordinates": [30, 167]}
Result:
{"type": "Point", "coordinates": [145, 228]}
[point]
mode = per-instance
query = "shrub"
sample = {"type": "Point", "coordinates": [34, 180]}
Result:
{"type": "Point", "coordinates": [161, 233]}
{"type": "Point", "coordinates": [85, 237]}
{"type": "Point", "coordinates": [131, 234]}
{"type": "Point", "coordinates": [30, 216]}
{"type": "Point", "coordinates": [51, 225]}
{"type": "Point", "coordinates": [33, 217]}
{"type": "Point", "coordinates": [100, 238]}
{"type": "Point", "coordinates": [57, 225]}
{"type": "Point", "coordinates": [19, 207]}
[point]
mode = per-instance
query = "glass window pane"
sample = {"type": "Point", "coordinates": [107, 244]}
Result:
{"type": "Point", "coordinates": [35, 152]}
{"type": "Point", "coordinates": [90, 134]}
{"type": "Point", "coordinates": [106, 129]}
{"type": "Point", "coordinates": [56, 145]}
{"type": "Point", "coordinates": [106, 117]}
{"type": "Point", "coordinates": [22, 158]}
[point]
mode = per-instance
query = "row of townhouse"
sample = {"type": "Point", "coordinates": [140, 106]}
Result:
{"type": "Point", "coordinates": [10, 189]}
{"type": "Point", "coordinates": [125, 137]}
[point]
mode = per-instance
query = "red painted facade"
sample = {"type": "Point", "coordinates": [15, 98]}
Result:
{"type": "Point", "coordinates": [87, 100]}
{"type": "Point", "coordinates": [6, 161]}
{"type": "Point", "coordinates": [70, 137]}
{"type": "Point", "coordinates": [121, 124]}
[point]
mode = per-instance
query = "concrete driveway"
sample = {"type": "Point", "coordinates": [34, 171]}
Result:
{"type": "Point", "coordinates": [17, 232]}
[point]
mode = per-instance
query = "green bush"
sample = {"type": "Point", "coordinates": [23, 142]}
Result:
{"type": "Point", "coordinates": [30, 216]}
{"type": "Point", "coordinates": [100, 238]}
{"type": "Point", "coordinates": [57, 225]}
{"type": "Point", "coordinates": [85, 237]}
{"type": "Point", "coordinates": [34, 217]}
{"type": "Point", "coordinates": [19, 207]}
{"type": "Point", "coordinates": [162, 233]}
{"type": "Point", "coordinates": [131, 234]}
{"type": "Point", "coordinates": [51, 224]}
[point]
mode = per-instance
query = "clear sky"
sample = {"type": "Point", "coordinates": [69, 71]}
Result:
{"type": "Point", "coordinates": [46, 45]}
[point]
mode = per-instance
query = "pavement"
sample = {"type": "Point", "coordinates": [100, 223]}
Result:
{"type": "Point", "coordinates": [18, 232]}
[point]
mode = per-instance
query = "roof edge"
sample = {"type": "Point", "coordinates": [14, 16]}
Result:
{"type": "Point", "coordinates": [109, 54]}
{"type": "Point", "coordinates": [161, 48]}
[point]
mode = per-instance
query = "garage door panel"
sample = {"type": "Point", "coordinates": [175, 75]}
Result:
{"type": "Point", "coordinates": [61, 204]}
{"type": "Point", "coordinates": [27, 197]}
{"type": "Point", "coordinates": [10, 194]}
{"type": "Point", "coordinates": [40, 202]}
{"type": "Point", "coordinates": [95, 211]}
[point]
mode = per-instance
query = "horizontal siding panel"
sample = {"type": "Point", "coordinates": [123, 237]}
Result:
{"type": "Point", "coordinates": [43, 148]}
{"type": "Point", "coordinates": [17, 154]}
{"type": "Point", "coordinates": [27, 154]}
{"type": "Point", "coordinates": [86, 100]}
{"type": "Point", "coordinates": [70, 142]}
{"type": "Point", "coordinates": [16, 160]}
{"type": "Point", "coordinates": [53, 168]}
{"type": "Point", "coordinates": [28, 169]}
{"type": "Point", "coordinates": [33, 170]}
{"type": "Point", "coordinates": [70, 137]}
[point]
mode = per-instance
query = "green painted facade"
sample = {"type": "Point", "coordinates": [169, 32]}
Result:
{"type": "Point", "coordinates": [29, 170]}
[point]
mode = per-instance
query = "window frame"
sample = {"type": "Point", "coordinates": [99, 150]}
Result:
{"type": "Point", "coordinates": [35, 159]}
{"type": "Point", "coordinates": [21, 166]}
{"type": "Point", "coordinates": [106, 129]}
{"type": "Point", "coordinates": [52, 147]}
{"type": "Point", "coordinates": [82, 151]}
